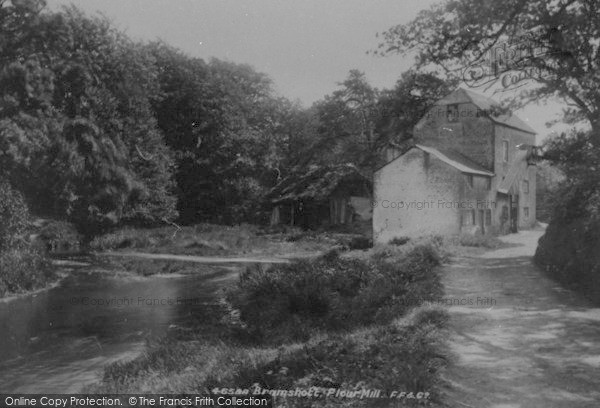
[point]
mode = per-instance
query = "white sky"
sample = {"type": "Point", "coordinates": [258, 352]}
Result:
{"type": "Point", "coordinates": [305, 46]}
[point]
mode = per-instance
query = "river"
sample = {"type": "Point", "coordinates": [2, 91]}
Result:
{"type": "Point", "coordinates": [58, 340]}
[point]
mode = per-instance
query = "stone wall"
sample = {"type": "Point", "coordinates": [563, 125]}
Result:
{"type": "Point", "coordinates": [415, 195]}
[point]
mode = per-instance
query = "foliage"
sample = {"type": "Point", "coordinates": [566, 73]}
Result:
{"type": "Point", "coordinates": [210, 240]}
{"type": "Point", "coordinates": [23, 269]}
{"type": "Point", "coordinates": [347, 120]}
{"type": "Point", "coordinates": [402, 355]}
{"type": "Point", "coordinates": [403, 106]}
{"type": "Point", "coordinates": [14, 217]}
{"type": "Point", "coordinates": [357, 122]}
{"type": "Point", "coordinates": [76, 127]}
{"type": "Point", "coordinates": [226, 128]}
{"type": "Point", "coordinates": [406, 354]}
{"type": "Point", "coordinates": [290, 302]}
{"type": "Point", "coordinates": [399, 241]}
{"type": "Point", "coordinates": [561, 40]}
{"type": "Point", "coordinates": [59, 234]}
{"type": "Point", "coordinates": [548, 179]}
{"type": "Point", "coordinates": [568, 251]}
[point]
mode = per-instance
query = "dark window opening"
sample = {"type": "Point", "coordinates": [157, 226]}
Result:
{"type": "Point", "coordinates": [452, 113]}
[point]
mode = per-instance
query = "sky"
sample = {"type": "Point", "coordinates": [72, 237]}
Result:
{"type": "Point", "coordinates": [306, 46]}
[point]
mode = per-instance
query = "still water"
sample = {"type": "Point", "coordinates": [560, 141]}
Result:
{"type": "Point", "coordinates": [59, 340]}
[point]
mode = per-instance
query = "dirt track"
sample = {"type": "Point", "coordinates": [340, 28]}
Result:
{"type": "Point", "coordinates": [520, 341]}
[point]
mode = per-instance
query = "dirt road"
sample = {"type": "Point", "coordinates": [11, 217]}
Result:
{"type": "Point", "coordinates": [519, 340]}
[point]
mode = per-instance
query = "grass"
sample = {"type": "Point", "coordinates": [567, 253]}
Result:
{"type": "Point", "coordinates": [330, 322]}
{"type": "Point", "coordinates": [292, 302]}
{"type": "Point", "coordinates": [216, 240]}
{"type": "Point", "coordinates": [407, 354]}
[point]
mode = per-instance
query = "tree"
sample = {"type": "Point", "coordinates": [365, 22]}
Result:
{"type": "Point", "coordinates": [357, 122]}
{"type": "Point", "coordinates": [76, 127]}
{"type": "Point", "coordinates": [558, 47]}
{"type": "Point", "coordinates": [228, 132]}
{"type": "Point", "coordinates": [404, 105]}
{"type": "Point", "coordinates": [347, 124]}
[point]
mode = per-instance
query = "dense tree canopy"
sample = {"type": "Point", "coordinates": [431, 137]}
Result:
{"type": "Point", "coordinates": [101, 130]}
{"type": "Point", "coordinates": [76, 120]}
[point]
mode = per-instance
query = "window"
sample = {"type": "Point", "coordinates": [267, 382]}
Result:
{"type": "Point", "coordinates": [467, 217]}
{"type": "Point", "coordinates": [473, 217]}
{"type": "Point", "coordinates": [470, 180]}
{"type": "Point", "coordinates": [488, 183]}
{"type": "Point", "coordinates": [452, 113]}
{"type": "Point", "coordinates": [488, 217]}
{"type": "Point", "coordinates": [526, 212]}
{"type": "Point", "coordinates": [505, 150]}
{"type": "Point", "coordinates": [525, 186]}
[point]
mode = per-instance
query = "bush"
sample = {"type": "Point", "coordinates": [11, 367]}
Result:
{"type": "Point", "coordinates": [13, 217]}
{"type": "Point", "coordinates": [291, 302]}
{"type": "Point", "coordinates": [23, 270]}
{"type": "Point", "coordinates": [569, 251]}
{"type": "Point", "coordinates": [404, 355]}
{"type": "Point", "coordinates": [60, 235]}
{"type": "Point", "coordinates": [399, 241]}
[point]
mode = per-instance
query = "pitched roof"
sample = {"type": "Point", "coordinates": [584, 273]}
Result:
{"type": "Point", "coordinates": [456, 160]}
{"type": "Point", "coordinates": [486, 105]}
{"type": "Point", "coordinates": [513, 172]}
{"type": "Point", "coordinates": [317, 183]}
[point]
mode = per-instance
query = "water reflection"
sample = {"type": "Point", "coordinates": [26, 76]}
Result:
{"type": "Point", "coordinates": [59, 340]}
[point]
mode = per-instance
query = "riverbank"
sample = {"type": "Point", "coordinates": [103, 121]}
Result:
{"type": "Point", "coordinates": [388, 341]}
{"type": "Point", "coordinates": [60, 339]}
{"type": "Point", "coordinates": [221, 240]}
{"type": "Point", "coordinates": [25, 271]}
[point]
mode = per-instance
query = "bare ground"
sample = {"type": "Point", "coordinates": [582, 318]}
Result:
{"type": "Point", "coordinates": [519, 340]}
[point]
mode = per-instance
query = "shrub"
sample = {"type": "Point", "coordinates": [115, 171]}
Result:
{"type": "Point", "coordinates": [569, 250]}
{"type": "Point", "coordinates": [291, 302]}
{"type": "Point", "coordinates": [404, 355]}
{"type": "Point", "coordinates": [569, 253]}
{"type": "Point", "coordinates": [60, 235]}
{"type": "Point", "coordinates": [399, 241]}
{"type": "Point", "coordinates": [23, 270]}
{"type": "Point", "coordinates": [13, 217]}
{"type": "Point", "coordinates": [123, 238]}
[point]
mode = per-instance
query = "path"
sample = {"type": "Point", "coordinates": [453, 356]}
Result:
{"type": "Point", "coordinates": [519, 340]}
